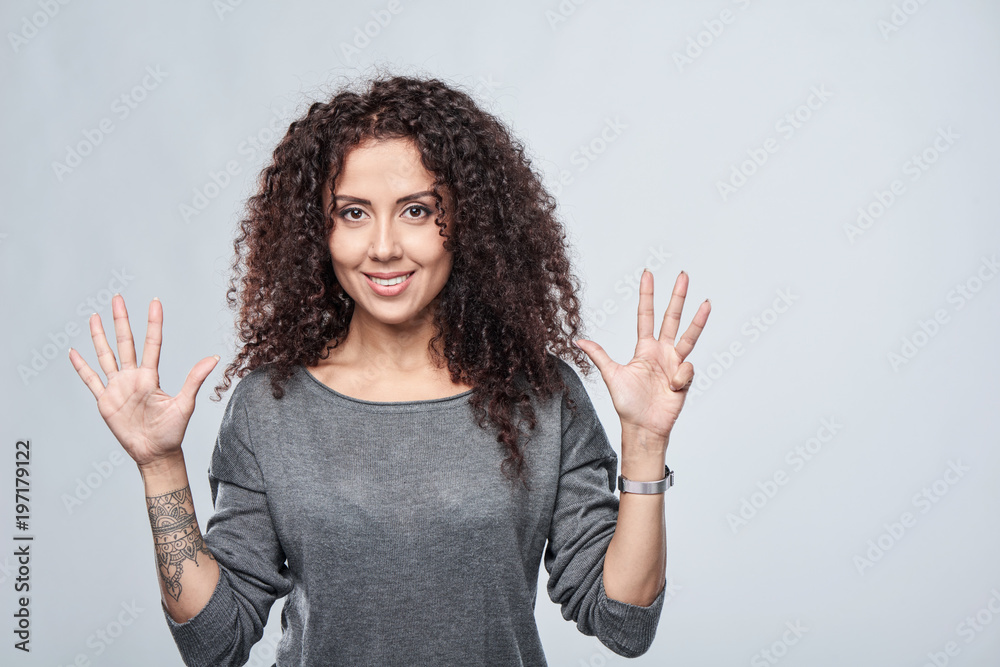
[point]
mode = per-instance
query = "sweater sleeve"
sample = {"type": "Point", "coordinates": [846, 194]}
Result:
{"type": "Point", "coordinates": [241, 537]}
{"type": "Point", "coordinates": [583, 523]}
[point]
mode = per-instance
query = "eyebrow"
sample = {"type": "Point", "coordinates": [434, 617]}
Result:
{"type": "Point", "coordinates": [356, 200]}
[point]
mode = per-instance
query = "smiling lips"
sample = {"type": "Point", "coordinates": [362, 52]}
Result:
{"type": "Point", "coordinates": [389, 284]}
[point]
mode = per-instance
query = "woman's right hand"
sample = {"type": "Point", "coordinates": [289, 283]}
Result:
{"type": "Point", "coordinates": [148, 423]}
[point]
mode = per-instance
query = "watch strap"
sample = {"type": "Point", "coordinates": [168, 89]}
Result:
{"type": "Point", "coordinates": [659, 486]}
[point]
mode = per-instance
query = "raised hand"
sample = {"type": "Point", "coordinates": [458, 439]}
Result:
{"type": "Point", "coordinates": [649, 391]}
{"type": "Point", "coordinates": [147, 422]}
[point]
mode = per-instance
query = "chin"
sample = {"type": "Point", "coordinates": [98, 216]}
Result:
{"type": "Point", "coordinates": [393, 316]}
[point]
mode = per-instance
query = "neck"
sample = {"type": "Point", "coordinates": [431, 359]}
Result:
{"type": "Point", "coordinates": [390, 348]}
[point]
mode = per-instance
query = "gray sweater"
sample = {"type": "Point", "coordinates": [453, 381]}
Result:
{"type": "Point", "coordinates": [395, 537]}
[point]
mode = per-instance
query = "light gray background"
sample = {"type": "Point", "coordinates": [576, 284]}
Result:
{"type": "Point", "coordinates": [559, 73]}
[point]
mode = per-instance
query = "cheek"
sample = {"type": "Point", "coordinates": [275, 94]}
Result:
{"type": "Point", "coordinates": [436, 257]}
{"type": "Point", "coordinates": [428, 251]}
{"type": "Point", "coordinates": [346, 250]}
{"type": "Point", "coordinates": [444, 268]}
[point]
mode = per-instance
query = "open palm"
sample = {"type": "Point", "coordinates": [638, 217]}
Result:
{"type": "Point", "coordinates": [649, 391]}
{"type": "Point", "coordinates": [147, 422]}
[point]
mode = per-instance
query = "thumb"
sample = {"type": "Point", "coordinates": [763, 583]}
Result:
{"type": "Point", "coordinates": [597, 354]}
{"type": "Point", "coordinates": [196, 377]}
{"type": "Point", "coordinates": [682, 379]}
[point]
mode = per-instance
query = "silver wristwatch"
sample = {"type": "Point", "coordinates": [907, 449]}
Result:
{"type": "Point", "coordinates": [659, 486]}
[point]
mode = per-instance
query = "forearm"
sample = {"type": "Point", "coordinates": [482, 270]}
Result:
{"type": "Point", "coordinates": [188, 572]}
{"type": "Point", "coordinates": [636, 560]}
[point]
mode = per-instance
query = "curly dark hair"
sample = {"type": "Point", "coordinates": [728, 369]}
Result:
{"type": "Point", "coordinates": [509, 305]}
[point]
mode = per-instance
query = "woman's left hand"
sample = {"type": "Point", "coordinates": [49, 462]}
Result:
{"type": "Point", "coordinates": [649, 391]}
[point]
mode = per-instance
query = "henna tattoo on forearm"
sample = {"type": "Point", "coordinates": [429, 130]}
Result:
{"type": "Point", "coordinates": [176, 536]}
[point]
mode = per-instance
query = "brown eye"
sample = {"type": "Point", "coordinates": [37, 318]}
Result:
{"type": "Point", "coordinates": [418, 210]}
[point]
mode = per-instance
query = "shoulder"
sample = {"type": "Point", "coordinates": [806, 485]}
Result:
{"type": "Point", "coordinates": [256, 385]}
{"type": "Point", "coordinates": [251, 385]}
{"type": "Point", "coordinates": [576, 402]}
{"type": "Point", "coordinates": [582, 433]}
{"type": "Point", "coordinates": [575, 388]}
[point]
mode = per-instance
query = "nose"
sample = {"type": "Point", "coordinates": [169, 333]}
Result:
{"type": "Point", "coordinates": [384, 244]}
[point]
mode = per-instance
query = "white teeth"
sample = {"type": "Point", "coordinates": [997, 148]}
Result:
{"type": "Point", "coordinates": [391, 281]}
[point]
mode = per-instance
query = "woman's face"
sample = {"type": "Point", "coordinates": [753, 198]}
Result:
{"type": "Point", "coordinates": [384, 227]}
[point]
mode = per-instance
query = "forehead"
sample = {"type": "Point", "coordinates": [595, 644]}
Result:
{"type": "Point", "coordinates": [389, 164]}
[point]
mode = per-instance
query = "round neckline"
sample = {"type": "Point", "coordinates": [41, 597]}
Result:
{"type": "Point", "coordinates": [403, 406]}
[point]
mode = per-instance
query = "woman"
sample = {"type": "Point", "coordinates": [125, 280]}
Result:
{"type": "Point", "coordinates": [403, 290]}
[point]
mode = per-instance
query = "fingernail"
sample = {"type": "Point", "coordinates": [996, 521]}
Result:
{"type": "Point", "coordinates": [681, 273]}
{"type": "Point", "coordinates": [217, 357]}
{"type": "Point", "coordinates": [156, 298]}
{"type": "Point", "coordinates": [708, 301]}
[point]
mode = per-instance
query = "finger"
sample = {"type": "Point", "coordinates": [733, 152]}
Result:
{"type": "Point", "coordinates": [672, 318]}
{"type": "Point", "coordinates": [123, 332]}
{"type": "Point", "coordinates": [105, 357]}
{"type": "Point", "coordinates": [683, 377]}
{"type": "Point", "coordinates": [154, 335]}
{"type": "Point", "coordinates": [86, 373]}
{"type": "Point", "coordinates": [196, 377]}
{"type": "Point", "coordinates": [644, 324]}
{"type": "Point", "coordinates": [690, 337]}
{"type": "Point", "coordinates": [604, 363]}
